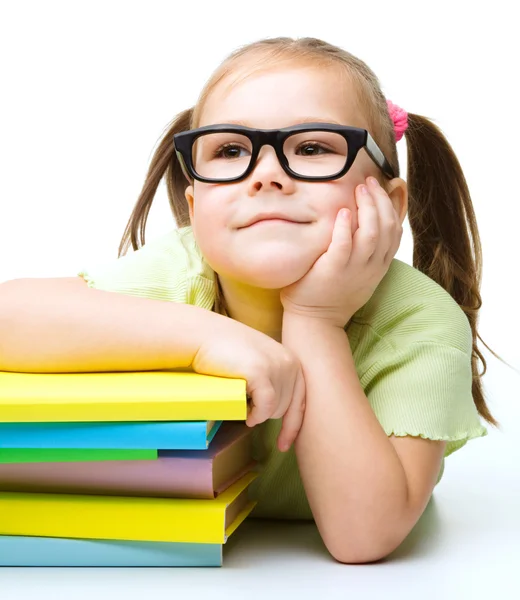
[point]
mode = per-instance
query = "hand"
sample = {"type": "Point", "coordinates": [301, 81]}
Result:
{"type": "Point", "coordinates": [274, 375]}
{"type": "Point", "coordinates": [344, 277]}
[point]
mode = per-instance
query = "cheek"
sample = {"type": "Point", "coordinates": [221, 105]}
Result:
{"type": "Point", "coordinates": [208, 209]}
{"type": "Point", "coordinates": [206, 229]}
{"type": "Point", "coordinates": [341, 195]}
{"type": "Point", "coordinates": [211, 246]}
{"type": "Point", "coordinates": [209, 226]}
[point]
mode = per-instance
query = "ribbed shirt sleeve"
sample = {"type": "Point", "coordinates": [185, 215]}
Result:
{"type": "Point", "coordinates": [424, 389]}
{"type": "Point", "coordinates": [168, 268]}
{"type": "Point", "coordinates": [413, 358]}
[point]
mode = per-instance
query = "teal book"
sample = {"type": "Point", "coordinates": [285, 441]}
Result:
{"type": "Point", "coordinates": [26, 551]}
{"type": "Point", "coordinates": [150, 435]}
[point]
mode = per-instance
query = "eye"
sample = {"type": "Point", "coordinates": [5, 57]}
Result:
{"type": "Point", "coordinates": [312, 149]}
{"type": "Point", "coordinates": [230, 151]}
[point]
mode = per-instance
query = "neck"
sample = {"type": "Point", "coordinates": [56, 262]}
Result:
{"type": "Point", "coordinates": [258, 308]}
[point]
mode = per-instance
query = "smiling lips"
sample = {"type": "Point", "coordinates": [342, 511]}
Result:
{"type": "Point", "coordinates": [273, 221]}
{"type": "Point", "coordinates": [272, 218]}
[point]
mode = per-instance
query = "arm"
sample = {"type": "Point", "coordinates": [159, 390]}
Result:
{"type": "Point", "coordinates": [366, 490]}
{"type": "Point", "coordinates": [62, 325]}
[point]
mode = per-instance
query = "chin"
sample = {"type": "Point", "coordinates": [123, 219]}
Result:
{"type": "Point", "coordinates": [268, 281]}
{"type": "Point", "coordinates": [267, 272]}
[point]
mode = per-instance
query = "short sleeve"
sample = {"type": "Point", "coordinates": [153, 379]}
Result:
{"type": "Point", "coordinates": [424, 389]}
{"type": "Point", "coordinates": [169, 268]}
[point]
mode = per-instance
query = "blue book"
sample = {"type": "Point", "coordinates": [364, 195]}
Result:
{"type": "Point", "coordinates": [129, 435]}
{"type": "Point", "coordinates": [26, 551]}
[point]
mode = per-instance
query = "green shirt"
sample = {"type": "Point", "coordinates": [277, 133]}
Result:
{"type": "Point", "coordinates": [411, 345]}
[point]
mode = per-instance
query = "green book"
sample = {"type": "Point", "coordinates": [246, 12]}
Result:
{"type": "Point", "coordinates": [38, 455]}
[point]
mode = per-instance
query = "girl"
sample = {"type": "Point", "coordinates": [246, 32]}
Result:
{"type": "Point", "coordinates": [284, 183]}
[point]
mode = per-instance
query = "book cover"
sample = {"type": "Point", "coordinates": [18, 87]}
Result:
{"type": "Point", "coordinates": [175, 474]}
{"type": "Point", "coordinates": [125, 517]}
{"type": "Point", "coordinates": [132, 435]}
{"type": "Point", "coordinates": [120, 396]}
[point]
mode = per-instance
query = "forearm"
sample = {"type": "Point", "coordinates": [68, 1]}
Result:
{"type": "Point", "coordinates": [353, 477]}
{"type": "Point", "coordinates": [53, 325]}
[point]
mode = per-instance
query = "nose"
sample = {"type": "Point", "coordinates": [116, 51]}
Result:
{"type": "Point", "coordinates": [268, 174]}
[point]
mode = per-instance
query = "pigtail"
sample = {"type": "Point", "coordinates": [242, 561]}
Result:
{"type": "Point", "coordinates": [446, 239]}
{"type": "Point", "coordinates": [164, 162]}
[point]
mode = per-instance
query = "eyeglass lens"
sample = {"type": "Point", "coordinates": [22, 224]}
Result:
{"type": "Point", "coordinates": [226, 155]}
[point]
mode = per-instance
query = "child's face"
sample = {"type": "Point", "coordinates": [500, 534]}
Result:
{"type": "Point", "coordinates": [273, 254]}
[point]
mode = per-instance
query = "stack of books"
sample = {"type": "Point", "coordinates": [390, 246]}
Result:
{"type": "Point", "coordinates": [122, 469]}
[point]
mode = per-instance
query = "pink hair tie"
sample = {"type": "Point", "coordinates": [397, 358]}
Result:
{"type": "Point", "coordinates": [399, 117]}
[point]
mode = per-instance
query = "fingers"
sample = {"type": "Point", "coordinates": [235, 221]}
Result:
{"type": "Point", "coordinates": [366, 237]}
{"type": "Point", "coordinates": [341, 244]}
{"type": "Point", "coordinates": [293, 419]}
{"type": "Point", "coordinates": [379, 233]}
{"type": "Point", "coordinates": [272, 395]}
{"type": "Point", "coordinates": [390, 229]}
{"type": "Point", "coordinates": [263, 404]}
{"type": "Point", "coordinates": [288, 402]}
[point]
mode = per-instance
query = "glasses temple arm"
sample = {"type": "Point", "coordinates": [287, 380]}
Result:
{"type": "Point", "coordinates": [378, 157]}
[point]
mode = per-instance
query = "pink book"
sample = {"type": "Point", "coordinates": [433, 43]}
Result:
{"type": "Point", "coordinates": [175, 473]}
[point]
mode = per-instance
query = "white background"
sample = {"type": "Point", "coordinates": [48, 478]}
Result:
{"type": "Point", "coordinates": [87, 90]}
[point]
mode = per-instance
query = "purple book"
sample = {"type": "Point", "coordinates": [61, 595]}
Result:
{"type": "Point", "coordinates": [175, 473]}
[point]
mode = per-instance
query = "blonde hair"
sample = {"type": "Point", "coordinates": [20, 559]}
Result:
{"type": "Point", "coordinates": [446, 241]}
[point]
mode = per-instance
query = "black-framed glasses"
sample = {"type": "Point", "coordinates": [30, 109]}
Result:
{"type": "Point", "coordinates": [308, 151]}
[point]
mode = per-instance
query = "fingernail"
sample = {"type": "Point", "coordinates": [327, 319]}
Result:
{"type": "Point", "coordinates": [373, 181]}
{"type": "Point", "coordinates": [364, 189]}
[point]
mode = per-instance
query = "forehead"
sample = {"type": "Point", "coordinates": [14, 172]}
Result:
{"type": "Point", "coordinates": [271, 99]}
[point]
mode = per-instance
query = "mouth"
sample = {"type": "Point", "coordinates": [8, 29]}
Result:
{"type": "Point", "coordinates": [274, 220]}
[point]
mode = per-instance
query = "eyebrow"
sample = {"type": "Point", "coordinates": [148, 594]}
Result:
{"type": "Point", "coordinates": [295, 122]}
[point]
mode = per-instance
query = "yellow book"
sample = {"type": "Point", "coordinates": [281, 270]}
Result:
{"type": "Point", "coordinates": [120, 396]}
{"type": "Point", "coordinates": [127, 518]}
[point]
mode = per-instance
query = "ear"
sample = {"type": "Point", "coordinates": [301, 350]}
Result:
{"type": "Point", "coordinates": [397, 190]}
{"type": "Point", "coordinates": [188, 194]}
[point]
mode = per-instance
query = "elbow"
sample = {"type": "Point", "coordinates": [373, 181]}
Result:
{"type": "Point", "coordinates": [370, 537]}
{"type": "Point", "coordinates": [362, 549]}
{"type": "Point", "coordinates": [352, 555]}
